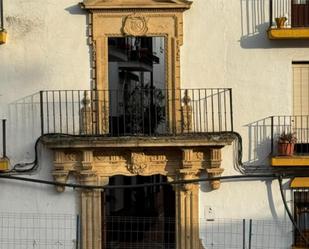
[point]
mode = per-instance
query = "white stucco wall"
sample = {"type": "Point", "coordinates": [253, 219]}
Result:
{"type": "Point", "coordinates": [224, 46]}
{"type": "Point", "coordinates": [227, 46]}
{"type": "Point", "coordinates": [46, 49]}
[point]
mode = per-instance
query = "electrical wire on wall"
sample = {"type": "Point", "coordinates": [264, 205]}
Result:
{"type": "Point", "coordinates": [31, 167]}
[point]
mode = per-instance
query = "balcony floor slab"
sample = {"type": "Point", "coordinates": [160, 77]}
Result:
{"type": "Point", "coordinates": [290, 161]}
{"type": "Point", "coordinates": [288, 33]}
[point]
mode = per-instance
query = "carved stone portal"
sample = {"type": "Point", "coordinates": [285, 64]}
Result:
{"type": "Point", "coordinates": [93, 161]}
{"type": "Point", "coordinates": [93, 165]}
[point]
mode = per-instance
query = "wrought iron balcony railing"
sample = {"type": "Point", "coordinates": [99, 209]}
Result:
{"type": "Point", "coordinates": [294, 127]}
{"type": "Point", "coordinates": [136, 112]}
{"type": "Point", "coordinates": [290, 13]}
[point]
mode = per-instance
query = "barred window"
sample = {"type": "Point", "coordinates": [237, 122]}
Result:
{"type": "Point", "coordinates": [301, 215]}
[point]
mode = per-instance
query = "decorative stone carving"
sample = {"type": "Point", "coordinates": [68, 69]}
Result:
{"type": "Point", "coordinates": [138, 163]}
{"type": "Point", "coordinates": [109, 156]}
{"type": "Point", "coordinates": [135, 25]}
{"type": "Point", "coordinates": [215, 172]}
{"type": "Point", "coordinates": [87, 163]}
{"type": "Point", "coordinates": [186, 112]}
{"type": "Point", "coordinates": [215, 157]}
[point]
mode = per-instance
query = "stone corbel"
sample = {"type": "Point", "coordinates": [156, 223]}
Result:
{"type": "Point", "coordinates": [60, 176]}
{"type": "Point", "coordinates": [214, 166]}
{"type": "Point", "coordinates": [215, 172]}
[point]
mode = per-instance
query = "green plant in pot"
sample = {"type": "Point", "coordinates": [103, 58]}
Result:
{"type": "Point", "coordinates": [286, 143]}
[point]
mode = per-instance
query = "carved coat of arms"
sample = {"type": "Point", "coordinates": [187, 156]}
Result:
{"type": "Point", "coordinates": [135, 25]}
{"type": "Point", "coordinates": [138, 163]}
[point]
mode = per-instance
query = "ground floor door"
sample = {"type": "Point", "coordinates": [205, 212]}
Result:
{"type": "Point", "coordinates": [138, 218]}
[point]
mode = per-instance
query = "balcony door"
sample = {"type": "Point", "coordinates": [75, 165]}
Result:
{"type": "Point", "coordinates": [300, 13]}
{"type": "Point", "coordinates": [136, 83]}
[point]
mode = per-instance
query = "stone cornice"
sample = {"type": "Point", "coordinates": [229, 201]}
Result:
{"type": "Point", "coordinates": [135, 4]}
{"type": "Point", "coordinates": [56, 141]}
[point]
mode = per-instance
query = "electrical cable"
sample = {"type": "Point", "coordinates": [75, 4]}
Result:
{"type": "Point", "coordinates": [177, 182]}
{"type": "Point", "coordinates": [20, 168]}
{"type": "Point", "coordinates": [289, 212]}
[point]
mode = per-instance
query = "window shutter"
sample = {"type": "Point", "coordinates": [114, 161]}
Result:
{"type": "Point", "coordinates": [301, 89]}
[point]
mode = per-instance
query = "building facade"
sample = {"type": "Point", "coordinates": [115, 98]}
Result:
{"type": "Point", "coordinates": [151, 93]}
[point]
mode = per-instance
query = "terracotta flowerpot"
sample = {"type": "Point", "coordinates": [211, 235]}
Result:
{"type": "Point", "coordinates": [286, 149]}
{"type": "Point", "coordinates": [280, 21]}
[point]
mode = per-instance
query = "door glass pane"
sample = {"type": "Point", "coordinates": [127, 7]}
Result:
{"type": "Point", "coordinates": [136, 74]}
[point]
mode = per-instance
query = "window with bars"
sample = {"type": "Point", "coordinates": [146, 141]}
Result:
{"type": "Point", "coordinates": [301, 216]}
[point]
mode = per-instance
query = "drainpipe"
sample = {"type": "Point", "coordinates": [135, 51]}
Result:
{"type": "Point", "coordinates": [4, 161]}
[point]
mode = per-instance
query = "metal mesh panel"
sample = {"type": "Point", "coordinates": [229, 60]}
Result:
{"type": "Point", "coordinates": [42, 231]}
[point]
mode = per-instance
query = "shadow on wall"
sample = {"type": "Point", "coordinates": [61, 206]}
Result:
{"type": "Point", "coordinates": [24, 126]}
{"type": "Point", "coordinates": [259, 146]}
{"type": "Point", "coordinates": [246, 233]}
{"type": "Point", "coordinates": [254, 26]}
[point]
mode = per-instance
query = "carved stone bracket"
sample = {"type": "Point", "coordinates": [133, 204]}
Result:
{"type": "Point", "coordinates": [60, 176]}
{"type": "Point", "coordinates": [214, 165]}
{"type": "Point", "coordinates": [215, 172]}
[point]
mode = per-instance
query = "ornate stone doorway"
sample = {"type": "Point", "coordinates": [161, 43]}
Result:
{"type": "Point", "coordinates": [95, 155]}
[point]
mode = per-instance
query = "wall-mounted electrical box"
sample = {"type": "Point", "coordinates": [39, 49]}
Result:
{"type": "Point", "coordinates": [4, 164]}
{"type": "Point", "coordinates": [3, 37]}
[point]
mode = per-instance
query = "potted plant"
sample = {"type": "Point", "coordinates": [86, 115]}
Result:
{"type": "Point", "coordinates": [280, 21]}
{"type": "Point", "coordinates": [286, 143]}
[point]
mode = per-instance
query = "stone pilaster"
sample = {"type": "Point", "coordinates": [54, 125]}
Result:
{"type": "Point", "coordinates": [187, 211]}
{"type": "Point", "coordinates": [91, 210]}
